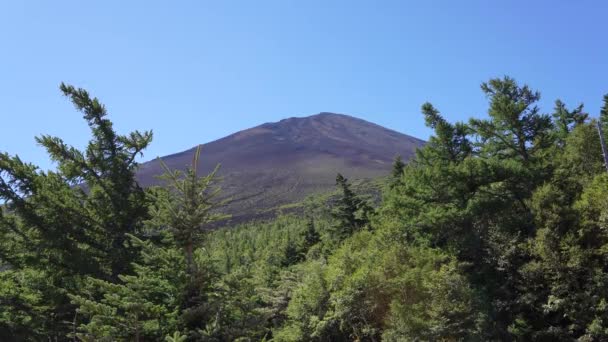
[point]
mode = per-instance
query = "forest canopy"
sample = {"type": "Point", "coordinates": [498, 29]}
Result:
{"type": "Point", "coordinates": [496, 230]}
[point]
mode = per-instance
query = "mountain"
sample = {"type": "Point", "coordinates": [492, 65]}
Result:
{"type": "Point", "coordinates": [274, 164]}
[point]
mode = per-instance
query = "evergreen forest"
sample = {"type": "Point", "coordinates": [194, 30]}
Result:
{"type": "Point", "coordinates": [497, 230]}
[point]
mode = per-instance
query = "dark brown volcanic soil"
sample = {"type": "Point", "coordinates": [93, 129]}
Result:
{"type": "Point", "coordinates": [279, 163]}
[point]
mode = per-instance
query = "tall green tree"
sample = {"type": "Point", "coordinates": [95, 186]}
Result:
{"type": "Point", "coordinates": [468, 191]}
{"type": "Point", "coordinates": [187, 209]}
{"type": "Point", "coordinates": [310, 237]}
{"type": "Point", "coordinates": [189, 206]}
{"type": "Point", "coordinates": [450, 141]}
{"type": "Point", "coordinates": [397, 171]}
{"type": "Point", "coordinates": [566, 120]}
{"type": "Point", "coordinates": [141, 306]}
{"type": "Point", "coordinates": [496, 230]}
{"type": "Point", "coordinates": [604, 113]}
{"type": "Point", "coordinates": [72, 222]}
{"type": "Point", "coordinates": [516, 128]}
{"type": "Point", "coordinates": [167, 291]}
{"type": "Point", "coordinates": [350, 213]}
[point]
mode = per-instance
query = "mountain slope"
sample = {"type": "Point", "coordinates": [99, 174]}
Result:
{"type": "Point", "coordinates": [278, 163]}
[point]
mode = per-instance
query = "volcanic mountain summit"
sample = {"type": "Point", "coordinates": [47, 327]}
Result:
{"type": "Point", "coordinates": [279, 163]}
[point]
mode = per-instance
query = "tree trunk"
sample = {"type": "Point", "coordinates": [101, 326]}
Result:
{"type": "Point", "coordinates": [603, 143]}
{"type": "Point", "coordinates": [189, 258]}
{"type": "Point", "coordinates": [136, 328]}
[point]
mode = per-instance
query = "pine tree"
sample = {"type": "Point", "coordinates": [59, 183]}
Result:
{"type": "Point", "coordinates": [189, 206]}
{"type": "Point", "coordinates": [450, 141]}
{"type": "Point", "coordinates": [311, 236]}
{"type": "Point", "coordinates": [186, 210]}
{"type": "Point", "coordinates": [604, 113]}
{"type": "Point", "coordinates": [602, 127]}
{"type": "Point", "coordinates": [141, 306]}
{"type": "Point", "coordinates": [516, 129]}
{"type": "Point", "coordinates": [176, 337]}
{"type": "Point", "coordinates": [308, 238]}
{"type": "Point", "coordinates": [291, 254]}
{"type": "Point", "coordinates": [397, 171]}
{"type": "Point", "coordinates": [71, 223]}
{"type": "Point", "coordinates": [349, 212]}
{"type": "Point", "coordinates": [565, 120]}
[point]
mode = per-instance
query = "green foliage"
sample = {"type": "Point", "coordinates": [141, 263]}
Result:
{"type": "Point", "coordinates": [515, 129]}
{"type": "Point", "coordinates": [566, 120]}
{"type": "Point", "coordinates": [149, 303]}
{"type": "Point", "coordinates": [450, 141]}
{"type": "Point", "coordinates": [144, 305]}
{"type": "Point", "coordinates": [373, 288]}
{"type": "Point", "coordinates": [497, 230]}
{"type": "Point", "coordinates": [23, 305]}
{"type": "Point", "coordinates": [511, 213]}
{"type": "Point", "coordinates": [69, 223]}
{"type": "Point", "coordinates": [309, 238]}
{"type": "Point", "coordinates": [188, 207]}
{"type": "Point", "coordinates": [256, 260]}
{"type": "Point", "coordinates": [307, 306]}
{"type": "Point", "coordinates": [350, 213]}
{"type": "Point", "coordinates": [604, 113]}
{"type": "Point", "coordinates": [397, 172]}
{"type": "Point", "coordinates": [176, 337]}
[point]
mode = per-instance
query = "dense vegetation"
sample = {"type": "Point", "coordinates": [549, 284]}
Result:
{"type": "Point", "coordinates": [496, 230]}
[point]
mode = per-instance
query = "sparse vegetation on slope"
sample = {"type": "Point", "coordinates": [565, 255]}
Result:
{"type": "Point", "coordinates": [268, 166]}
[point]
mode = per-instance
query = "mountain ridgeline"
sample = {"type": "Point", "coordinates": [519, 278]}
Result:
{"type": "Point", "coordinates": [266, 167]}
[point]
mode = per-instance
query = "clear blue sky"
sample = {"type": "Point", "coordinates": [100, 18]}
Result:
{"type": "Point", "coordinates": [194, 71]}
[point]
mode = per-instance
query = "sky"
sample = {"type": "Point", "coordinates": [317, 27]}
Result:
{"type": "Point", "coordinates": [195, 71]}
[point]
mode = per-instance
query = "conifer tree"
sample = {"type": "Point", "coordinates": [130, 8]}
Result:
{"type": "Point", "coordinates": [350, 213]}
{"type": "Point", "coordinates": [515, 129]}
{"type": "Point", "coordinates": [189, 206]}
{"type": "Point", "coordinates": [306, 239]}
{"type": "Point", "coordinates": [565, 120]}
{"type": "Point", "coordinates": [397, 171]}
{"type": "Point", "coordinates": [291, 254]}
{"type": "Point", "coordinates": [186, 210]}
{"type": "Point", "coordinates": [176, 337]}
{"type": "Point", "coordinates": [604, 113]}
{"type": "Point", "coordinates": [72, 222]}
{"type": "Point", "coordinates": [142, 306]}
{"type": "Point", "coordinates": [490, 233]}
{"type": "Point", "coordinates": [450, 141]}
{"type": "Point", "coordinates": [311, 236]}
